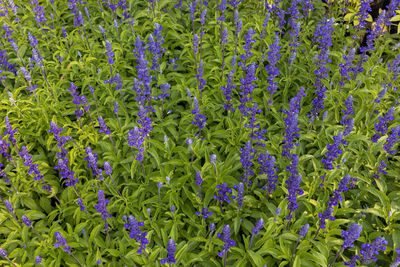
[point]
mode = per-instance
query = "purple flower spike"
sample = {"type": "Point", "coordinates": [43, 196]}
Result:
{"type": "Point", "coordinates": [3, 253]}
{"type": "Point", "coordinates": [38, 260]}
{"type": "Point", "coordinates": [103, 126]}
{"type": "Point", "coordinates": [304, 230]}
{"type": "Point", "coordinates": [101, 207]}
{"type": "Point", "coordinates": [382, 126]}
{"type": "Point", "coordinates": [135, 233]}
{"type": "Point", "coordinates": [110, 53]}
{"type": "Point", "coordinates": [171, 253]}
{"type": "Point", "coordinates": [107, 168]}
{"type": "Point", "coordinates": [259, 225]}
{"type": "Point", "coordinates": [61, 242]}
{"type": "Point", "coordinates": [368, 251]}
{"type": "Point", "coordinates": [205, 213]}
{"type": "Point", "coordinates": [226, 237]}
{"type": "Point", "coordinates": [351, 235]}
{"type": "Point", "coordinates": [267, 166]}
{"type": "Point", "coordinates": [26, 221]}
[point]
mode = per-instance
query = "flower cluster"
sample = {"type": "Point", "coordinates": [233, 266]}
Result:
{"type": "Point", "coordinates": [368, 251]}
{"type": "Point", "coordinates": [101, 207]}
{"type": "Point", "coordinates": [62, 242]}
{"type": "Point", "coordinates": [240, 194]}
{"type": "Point", "coordinates": [247, 87]}
{"type": "Point", "coordinates": [223, 191]}
{"type": "Point", "coordinates": [199, 119]}
{"type": "Point", "coordinates": [333, 201]}
{"type": "Point", "coordinates": [204, 212]}
{"type": "Point", "coordinates": [246, 156]}
{"type": "Point", "coordinates": [134, 226]}
{"type": "Point", "coordinates": [92, 163]}
{"type": "Point", "coordinates": [273, 57]}
{"type": "Point", "coordinates": [226, 237]}
{"type": "Point", "coordinates": [142, 68]}
{"type": "Point", "coordinates": [291, 123]}
{"type": "Point", "coordinates": [392, 139]}
{"type": "Point", "coordinates": [293, 185]}
{"type": "Point", "coordinates": [333, 151]}
{"type": "Point", "coordinates": [267, 166]}
{"type": "Point", "coordinates": [171, 253]}
{"type": "Point", "coordinates": [351, 235]}
{"type": "Point", "coordinates": [135, 139]}
{"type": "Point", "coordinates": [382, 125]}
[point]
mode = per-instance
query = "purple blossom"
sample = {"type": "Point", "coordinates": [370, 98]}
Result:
{"type": "Point", "coordinates": [135, 139]}
{"type": "Point", "coordinates": [391, 140]}
{"type": "Point", "coordinates": [155, 46]}
{"type": "Point", "coordinates": [247, 88]}
{"type": "Point", "coordinates": [10, 131]}
{"type": "Point", "coordinates": [142, 68]}
{"type": "Point", "coordinates": [171, 253]}
{"type": "Point", "coordinates": [3, 148]}
{"type": "Point", "coordinates": [351, 235]}
{"type": "Point", "coordinates": [239, 197]}
{"type": "Point", "coordinates": [222, 195]}
{"type": "Point", "coordinates": [135, 233]}
{"type": "Point", "coordinates": [39, 12]}
{"type": "Point", "coordinates": [26, 221]}
{"type": "Point", "coordinates": [291, 123]}
{"type": "Point", "coordinates": [249, 40]}
{"type": "Point", "coordinates": [333, 151]}
{"type": "Point", "coordinates": [273, 57]}
{"type": "Point", "coordinates": [199, 76]}
{"type": "Point", "coordinates": [38, 259]}
{"type": "Point", "coordinates": [382, 126]}
{"type": "Point", "coordinates": [101, 207]}
{"type": "Point", "coordinates": [345, 68]}
{"type": "Point", "coordinates": [267, 166]}
{"type": "Point", "coordinates": [199, 119]}
{"type": "Point", "coordinates": [144, 121]}
{"type": "Point", "coordinates": [227, 91]}
{"type": "Point", "coordinates": [103, 126]}
{"type": "Point", "coordinates": [61, 242]}
{"type": "Point", "coordinates": [347, 122]}
{"type": "Point", "coordinates": [107, 168]}
{"type": "Point", "coordinates": [204, 212]}
{"type": "Point", "coordinates": [222, 8]}
{"type": "Point", "coordinates": [110, 53]}
{"type": "Point", "coordinates": [246, 157]}
{"type": "Point", "coordinates": [381, 169]}
{"type": "Point", "coordinates": [66, 172]}
{"type": "Point", "coordinates": [333, 201]}
{"type": "Point", "coordinates": [259, 225]}
{"type": "Point", "coordinates": [92, 163]}
{"type": "Point", "coordinates": [226, 237]}
{"type": "Point", "coordinates": [363, 14]}
{"type": "Point", "coordinates": [293, 186]}
{"type": "Point", "coordinates": [213, 159]}
{"type": "Point", "coordinates": [80, 204]}
{"type": "Point", "coordinates": [9, 206]}
{"type": "Point", "coordinates": [61, 140]}
{"type": "Point", "coordinates": [368, 251]}
{"type": "Point", "coordinates": [304, 230]}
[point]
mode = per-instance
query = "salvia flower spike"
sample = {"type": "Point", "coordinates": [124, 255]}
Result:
{"type": "Point", "coordinates": [62, 242]}
{"type": "Point", "coordinates": [170, 259]}
{"type": "Point", "coordinates": [302, 233]}
{"type": "Point", "coordinates": [226, 237]}
{"type": "Point", "coordinates": [259, 225]}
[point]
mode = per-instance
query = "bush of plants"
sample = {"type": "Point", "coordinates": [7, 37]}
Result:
{"type": "Point", "coordinates": [199, 133]}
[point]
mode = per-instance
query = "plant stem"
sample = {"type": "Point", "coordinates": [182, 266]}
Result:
{"type": "Point", "coordinates": [337, 255]}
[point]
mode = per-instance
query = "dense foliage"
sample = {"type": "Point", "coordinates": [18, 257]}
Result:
{"type": "Point", "coordinates": [199, 133]}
